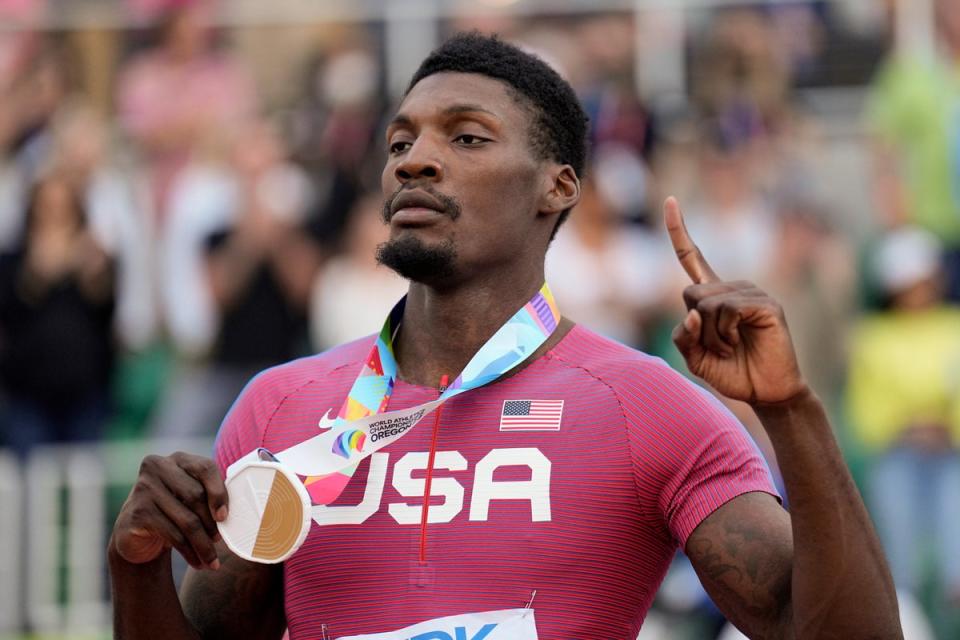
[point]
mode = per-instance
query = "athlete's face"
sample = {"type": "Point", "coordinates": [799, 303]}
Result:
{"type": "Point", "coordinates": [465, 193]}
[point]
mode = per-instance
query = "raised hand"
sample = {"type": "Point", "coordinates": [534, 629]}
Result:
{"type": "Point", "coordinates": [734, 335]}
{"type": "Point", "coordinates": [175, 503]}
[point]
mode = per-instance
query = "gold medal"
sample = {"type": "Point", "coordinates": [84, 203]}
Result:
{"type": "Point", "coordinates": [269, 512]}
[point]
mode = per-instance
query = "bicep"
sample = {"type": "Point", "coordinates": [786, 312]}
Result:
{"type": "Point", "coordinates": [239, 600]}
{"type": "Point", "coordinates": [743, 554]}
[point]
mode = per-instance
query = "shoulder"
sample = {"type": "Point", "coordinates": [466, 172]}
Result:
{"type": "Point", "coordinates": [247, 422]}
{"type": "Point", "coordinates": [632, 374]}
{"type": "Point", "coordinates": [282, 380]}
{"type": "Point", "coordinates": [662, 409]}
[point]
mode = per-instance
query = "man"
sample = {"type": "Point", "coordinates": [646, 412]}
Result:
{"type": "Point", "coordinates": [575, 516]}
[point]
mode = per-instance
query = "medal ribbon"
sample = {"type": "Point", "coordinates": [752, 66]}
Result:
{"type": "Point", "coordinates": [327, 461]}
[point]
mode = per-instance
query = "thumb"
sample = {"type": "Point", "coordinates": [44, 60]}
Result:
{"type": "Point", "coordinates": [686, 335]}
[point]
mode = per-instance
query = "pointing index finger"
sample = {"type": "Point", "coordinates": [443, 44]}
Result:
{"type": "Point", "coordinates": [687, 252]}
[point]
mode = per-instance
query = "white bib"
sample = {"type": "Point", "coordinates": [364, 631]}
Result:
{"type": "Point", "coordinates": [507, 624]}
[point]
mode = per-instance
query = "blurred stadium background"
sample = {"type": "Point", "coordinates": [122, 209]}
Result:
{"type": "Point", "coordinates": [189, 193]}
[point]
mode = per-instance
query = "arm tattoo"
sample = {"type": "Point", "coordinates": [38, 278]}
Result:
{"type": "Point", "coordinates": [745, 564]}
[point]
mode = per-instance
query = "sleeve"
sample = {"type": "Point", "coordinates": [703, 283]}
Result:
{"type": "Point", "coordinates": [244, 427]}
{"type": "Point", "coordinates": [695, 453]}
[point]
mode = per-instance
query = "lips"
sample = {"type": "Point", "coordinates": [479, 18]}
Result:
{"type": "Point", "coordinates": [412, 208]}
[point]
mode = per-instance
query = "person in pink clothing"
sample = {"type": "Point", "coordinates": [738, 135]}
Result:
{"type": "Point", "coordinates": [565, 485]}
{"type": "Point", "coordinates": [180, 94]}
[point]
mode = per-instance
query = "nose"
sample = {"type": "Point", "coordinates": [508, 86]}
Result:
{"type": "Point", "coordinates": [420, 161]}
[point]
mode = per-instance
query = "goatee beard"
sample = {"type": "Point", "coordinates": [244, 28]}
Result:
{"type": "Point", "coordinates": [414, 260]}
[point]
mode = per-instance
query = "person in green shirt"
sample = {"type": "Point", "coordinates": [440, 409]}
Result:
{"type": "Point", "coordinates": [913, 115]}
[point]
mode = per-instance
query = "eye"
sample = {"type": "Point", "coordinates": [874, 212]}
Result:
{"type": "Point", "coordinates": [399, 147]}
{"type": "Point", "coordinates": [470, 140]}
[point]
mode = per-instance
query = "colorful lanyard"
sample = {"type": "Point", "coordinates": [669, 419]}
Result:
{"type": "Point", "coordinates": [327, 461]}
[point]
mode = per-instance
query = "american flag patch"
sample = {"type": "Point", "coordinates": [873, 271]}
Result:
{"type": "Point", "coordinates": [531, 415]}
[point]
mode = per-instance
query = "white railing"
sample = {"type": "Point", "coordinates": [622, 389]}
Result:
{"type": "Point", "coordinates": [11, 526]}
{"type": "Point", "coordinates": [54, 525]}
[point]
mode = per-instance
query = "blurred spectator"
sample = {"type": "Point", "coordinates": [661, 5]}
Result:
{"type": "Point", "coordinates": [32, 99]}
{"type": "Point", "coordinates": [813, 275]}
{"type": "Point", "coordinates": [336, 129]}
{"type": "Point", "coordinates": [904, 404]}
{"type": "Point", "coordinates": [740, 77]}
{"type": "Point", "coordinates": [800, 34]}
{"type": "Point", "coordinates": [56, 314]}
{"type": "Point", "coordinates": [177, 96]}
{"type": "Point", "coordinates": [603, 271]}
{"type": "Point", "coordinates": [914, 112]}
{"type": "Point", "coordinates": [238, 272]}
{"type": "Point", "coordinates": [729, 216]}
{"type": "Point", "coordinates": [117, 202]}
{"type": "Point", "coordinates": [603, 60]}
{"type": "Point", "coordinates": [33, 85]}
{"type": "Point", "coordinates": [22, 10]}
{"type": "Point", "coordinates": [352, 294]}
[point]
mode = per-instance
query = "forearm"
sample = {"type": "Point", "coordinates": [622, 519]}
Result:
{"type": "Point", "coordinates": [145, 602]}
{"type": "Point", "coordinates": [841, 586]}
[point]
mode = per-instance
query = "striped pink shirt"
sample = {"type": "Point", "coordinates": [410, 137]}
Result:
{"type": "Point", "coordinates": [589, 514]}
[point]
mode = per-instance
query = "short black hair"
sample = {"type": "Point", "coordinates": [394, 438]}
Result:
{"type": "Point", "coordinates": [559, 123]}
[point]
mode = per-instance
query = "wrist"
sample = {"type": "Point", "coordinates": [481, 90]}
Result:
{"type": "Point", "coordinates": [803, 407]}
{"type": "Point", "coordinates": [118, 563]}
{"type": "Point", "coordinates": [799, 396]}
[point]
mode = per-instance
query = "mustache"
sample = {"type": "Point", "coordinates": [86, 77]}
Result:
{"type": "Point", "coordinates": [451, 206]}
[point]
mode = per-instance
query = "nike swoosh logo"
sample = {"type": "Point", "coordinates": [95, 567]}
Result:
{"type": "Point", "coordinates": [326, 422]}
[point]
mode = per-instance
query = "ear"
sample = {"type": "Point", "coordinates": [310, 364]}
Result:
{"type": "Point", "coordinates": [561, 190]}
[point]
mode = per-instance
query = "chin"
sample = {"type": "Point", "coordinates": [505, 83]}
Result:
{"type": "Point", "coordinates": [410, 257]}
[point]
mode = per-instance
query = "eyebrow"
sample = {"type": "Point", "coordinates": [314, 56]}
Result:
{"type": "Point", "coordinates": [468, 108]}
{"type": "Point", "coordinates": [458, 109]}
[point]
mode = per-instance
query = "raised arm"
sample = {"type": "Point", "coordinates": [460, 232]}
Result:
{"type": "Point", "coordinates": [818, 572]}
{"type": "Point", "coordinates": [176, 503]}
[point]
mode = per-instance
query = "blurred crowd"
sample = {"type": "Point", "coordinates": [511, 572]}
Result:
{"type": "Point", "coordinates": [172, 226]}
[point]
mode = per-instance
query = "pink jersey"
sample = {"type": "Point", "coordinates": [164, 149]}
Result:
{"type": "Point", "coordinates": [584, 501]}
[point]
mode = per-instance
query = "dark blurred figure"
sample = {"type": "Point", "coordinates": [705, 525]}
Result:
{"type": "Point", "coordinates": [739, 77]}
{"type": "Point", "coordinates": [56, 321]}
{"type": "Point", "coordinates": [116, 199]}
{"type": "Point", "coordinates": [336, 129]}
{"type": "Point", "coordinates": [238, 274]}
{"type": "Point", "coordinates": [261, 266]}
{"type": "Point", "coordinates": [605, 81]}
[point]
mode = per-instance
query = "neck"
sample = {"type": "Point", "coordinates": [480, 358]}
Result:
{"type": "Point", "coordinates": [442, 330]}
